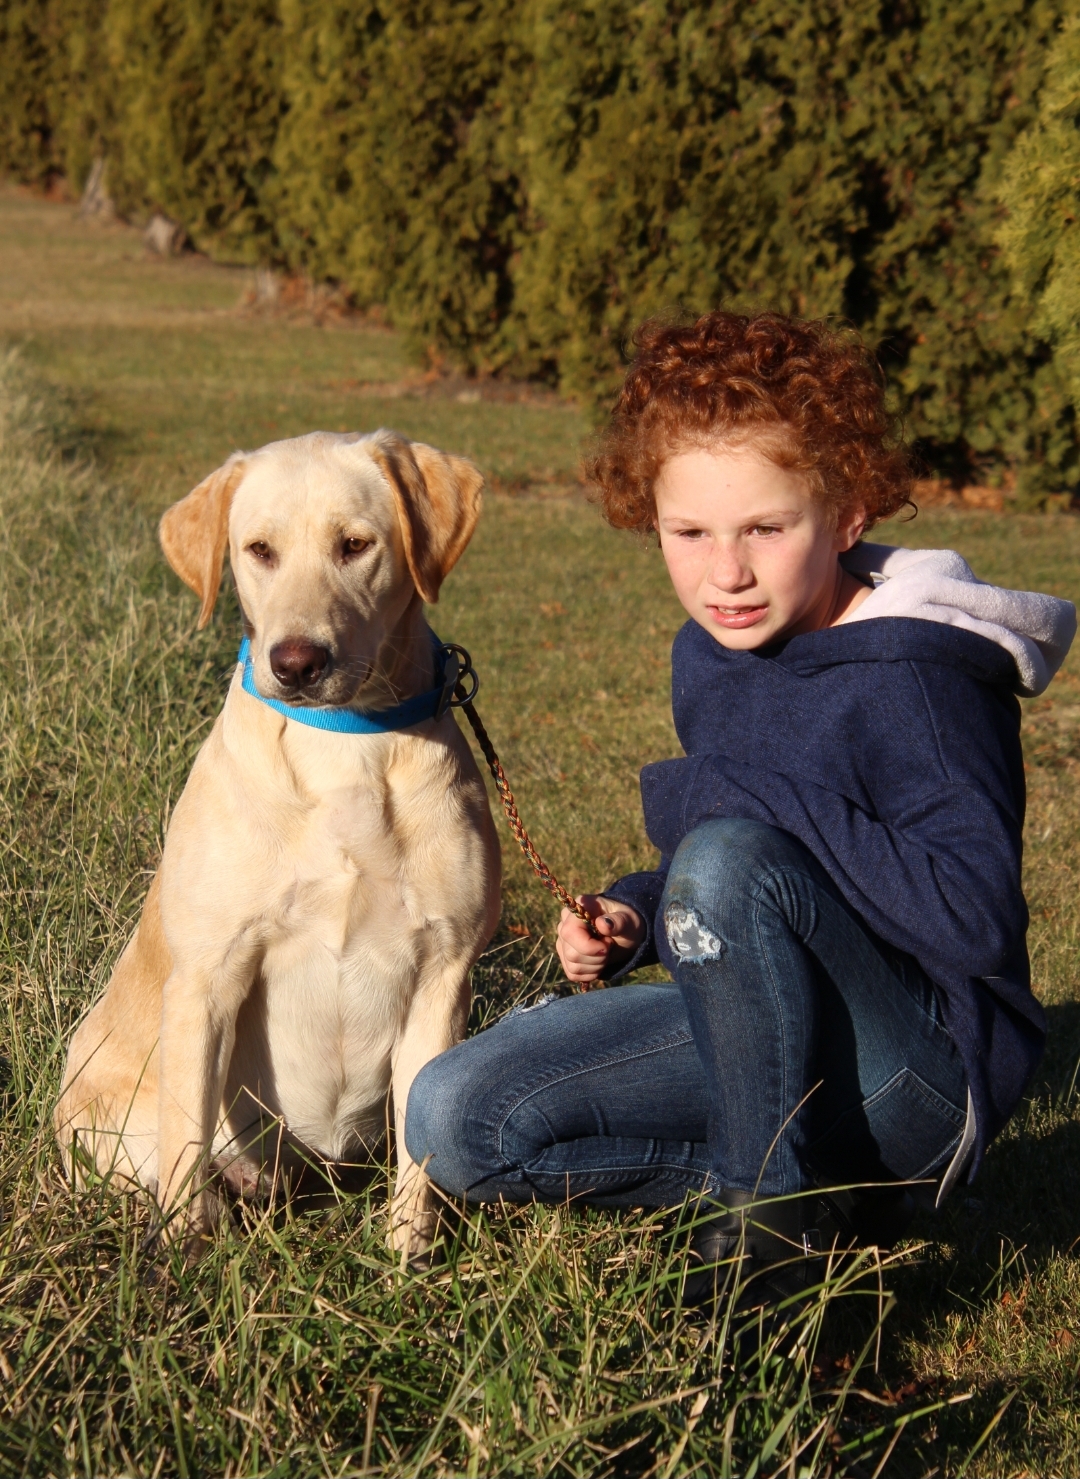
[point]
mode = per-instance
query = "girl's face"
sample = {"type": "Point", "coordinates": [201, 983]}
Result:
{"type": "Point", "coordinates": [751, 555]}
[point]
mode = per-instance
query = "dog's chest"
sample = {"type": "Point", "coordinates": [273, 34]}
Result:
{"type": "Point", "coordinates": [361, 919]}
{"type": "Point", "coordinates": [355, 915]}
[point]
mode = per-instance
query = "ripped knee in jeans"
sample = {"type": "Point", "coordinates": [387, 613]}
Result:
{"type": "Point", "coordinates": [688, 937]}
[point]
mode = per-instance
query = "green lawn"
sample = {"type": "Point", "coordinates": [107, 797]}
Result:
{"type": "Point", "coordinates": [547, 1342]}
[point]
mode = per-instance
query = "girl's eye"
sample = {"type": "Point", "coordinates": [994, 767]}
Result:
{"type": "Point", "coordinates": [765, 529]}
{"type": "Point", "coordinates": [352, 547]}
{"type": "Point", "coordinates": [262, 551]}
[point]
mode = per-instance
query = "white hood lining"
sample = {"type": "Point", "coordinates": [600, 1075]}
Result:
{"type": "Point", "coordinates": [939, 585]}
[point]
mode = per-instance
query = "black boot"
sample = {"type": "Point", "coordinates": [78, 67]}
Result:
{"type": "Point", "coordinates": [764, 1251]}
{"type": "Point", "coordinates": [864, 1217]}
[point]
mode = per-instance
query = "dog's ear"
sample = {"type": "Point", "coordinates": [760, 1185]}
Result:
{"type": "Point", "coordinates": [438, 503]}
{"type": "Point", "coordinates": [194, 533]}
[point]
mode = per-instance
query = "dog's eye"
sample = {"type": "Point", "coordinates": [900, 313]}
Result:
{"type": "Point", "coordinates": [262, 551]}
{"type": "Point", "coordinates": [353, 547]}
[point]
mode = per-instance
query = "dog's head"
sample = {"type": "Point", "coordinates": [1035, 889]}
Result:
{"type": "Point", "coordinates": [331, 538]}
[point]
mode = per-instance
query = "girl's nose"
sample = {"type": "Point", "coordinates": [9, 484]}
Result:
{"type": "Point", "coordinates": [729, 571]}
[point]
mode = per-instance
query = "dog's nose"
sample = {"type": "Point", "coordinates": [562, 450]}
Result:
{"type": "Point", "coordinates": [298, 663]}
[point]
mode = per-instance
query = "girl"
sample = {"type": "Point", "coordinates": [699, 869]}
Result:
{"type": "Point", "coordinates": [838, 895]}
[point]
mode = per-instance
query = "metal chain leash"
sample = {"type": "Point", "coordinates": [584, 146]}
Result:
{"type": "Point", "coordinates": [457, 668]}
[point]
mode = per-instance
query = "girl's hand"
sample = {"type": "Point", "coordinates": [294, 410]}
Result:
{"type": "Point", "coordinates": [620, 931]}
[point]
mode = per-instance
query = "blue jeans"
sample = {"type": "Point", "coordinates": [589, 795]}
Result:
{"type": "Point", "coordinates": [794, 1048]}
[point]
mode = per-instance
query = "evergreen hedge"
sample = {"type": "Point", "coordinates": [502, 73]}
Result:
{"type": "Point", "coordinates": [1040, 233]}
{"type": "Point", "coordinates": [521, 181]}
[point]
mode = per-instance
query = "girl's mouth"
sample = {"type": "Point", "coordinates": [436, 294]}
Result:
{"type": "Point", "coordinates": [736, 617]}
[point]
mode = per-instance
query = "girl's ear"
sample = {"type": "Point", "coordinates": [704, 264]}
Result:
{"type": "Point", "coordinates": [850, 529]}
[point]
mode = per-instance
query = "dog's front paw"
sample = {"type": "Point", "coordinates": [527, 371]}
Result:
{"type": "Point", "coordinates": [414, 1222]}
{"type": "Point", "coordinates": [192, 1229]}
{"type": "Point", "coordinates": [413, 1238]}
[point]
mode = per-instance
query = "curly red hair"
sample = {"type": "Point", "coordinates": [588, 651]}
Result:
{"type": "Point", "coordinates": [809, 396]}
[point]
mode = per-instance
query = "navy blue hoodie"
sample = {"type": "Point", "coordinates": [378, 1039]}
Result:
{"type": "Point", "coordinates": [891, 749]}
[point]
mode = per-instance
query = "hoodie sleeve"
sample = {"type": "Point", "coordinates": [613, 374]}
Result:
{"type": "Point", "coordinates": [940, 879]}
{"type": "Point", "coordinates": [643, 892]}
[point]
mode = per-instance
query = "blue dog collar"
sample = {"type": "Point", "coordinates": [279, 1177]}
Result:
{"type": "Point", "coordinates": [429, 705]}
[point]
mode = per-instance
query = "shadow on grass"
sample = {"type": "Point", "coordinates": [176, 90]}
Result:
{"type": "Point", "coordinates": [87, 437]}
{"type": "Point", "coordinates": [71, 422]}
{"type": "Point", "coordinates": [986, 1306]}
{"type": "Point", "coordinates": [1057, 1073]}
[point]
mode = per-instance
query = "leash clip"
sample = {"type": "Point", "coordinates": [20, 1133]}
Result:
{"type": "Point", "coordinates": [456, 668]}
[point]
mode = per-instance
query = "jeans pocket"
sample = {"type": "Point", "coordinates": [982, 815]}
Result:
{"type": "Point", "coordinates": [904, 1130]}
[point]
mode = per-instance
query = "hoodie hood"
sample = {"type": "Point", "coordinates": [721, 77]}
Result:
{"type": "Point", "coordinates": [939, 585]}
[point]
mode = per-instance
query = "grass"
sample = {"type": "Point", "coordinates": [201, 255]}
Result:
{"type": "Point", "coordinates": [550, 1340]}
{"type": "Point", "coordinates": [167, 378]}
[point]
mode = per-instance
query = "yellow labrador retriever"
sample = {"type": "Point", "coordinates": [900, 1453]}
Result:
{"type": "Point", "coordinates": [306, 944]}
